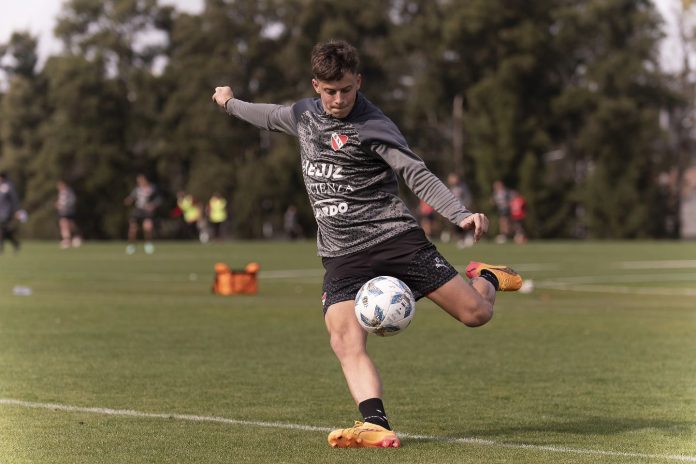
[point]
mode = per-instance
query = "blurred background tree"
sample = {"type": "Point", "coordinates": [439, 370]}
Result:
{"type": "Point", "coordinates": [560, 99]}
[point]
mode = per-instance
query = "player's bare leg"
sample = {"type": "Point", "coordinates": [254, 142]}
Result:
{"type": "Point", "coordinates": [132, 230]}
{"type": "Point", "coordinates": [132, 236]}
{"type": "Point", "coordinates": [469, 302]}
{"type": "Point", "coordinates": [65, 230]}
{"type": "Point", "coordinates": [349, 343]}
{"type": "Point", "coordinates": [472, 302]}
{"type": "Point", "coordinates": [148, 227]}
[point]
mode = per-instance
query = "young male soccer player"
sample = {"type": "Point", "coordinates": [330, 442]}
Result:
{"type": "Point", "coordinates": [350, 152]}
{"type": "Point", "coordinates": [145, 200]}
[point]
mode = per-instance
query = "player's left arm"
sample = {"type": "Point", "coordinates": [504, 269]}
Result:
{"type": "Point", "coordinates": [271, 117]}
{"type": "Point", "coordinates": [429, 188]}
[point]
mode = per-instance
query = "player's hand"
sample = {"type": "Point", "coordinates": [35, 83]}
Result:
{"type": "Point", "coordinates": [478, 222]}
{"type": "Point", "coordinates": [222, 94]}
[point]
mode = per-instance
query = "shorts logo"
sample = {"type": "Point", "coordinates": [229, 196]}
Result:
{"type": "Point", "coordinates": [338, 140]}
{"type": "Point", "coordinates": [323, 299]}
{"type": "Point", "coordinates": [439, 263]}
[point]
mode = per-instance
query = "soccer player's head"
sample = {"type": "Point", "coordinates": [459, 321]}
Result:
{"type": "Point", "coordinates": [333, 59]}
{"type": "Point", "coordinates": [336, 78]}
{"type": "Point", "coordinates": [142, 180]}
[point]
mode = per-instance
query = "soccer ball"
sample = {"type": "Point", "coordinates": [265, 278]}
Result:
{"type": "Point", "coordinates": [384, 306]}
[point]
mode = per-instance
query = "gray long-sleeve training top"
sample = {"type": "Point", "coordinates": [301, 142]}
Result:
{"type": "Point", "coordinates": [349, 168]}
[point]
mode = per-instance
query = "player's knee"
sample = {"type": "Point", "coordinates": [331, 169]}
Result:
{"type": "Point", "coordinates": [477, 315]}
{"type": "Point", "coordinates": [345, 344]}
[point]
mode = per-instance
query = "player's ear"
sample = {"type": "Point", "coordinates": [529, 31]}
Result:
{"type": "Point", "coordinates": [358, 81]}
{"type": "Point", "coordinates": [315, 84]}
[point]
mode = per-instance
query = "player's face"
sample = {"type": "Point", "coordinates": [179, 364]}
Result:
{"type": "Point", "coordinates": [338, 97]}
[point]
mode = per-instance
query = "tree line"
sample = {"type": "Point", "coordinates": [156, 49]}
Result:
{"type": "Point", "coordinates": [561, 99]}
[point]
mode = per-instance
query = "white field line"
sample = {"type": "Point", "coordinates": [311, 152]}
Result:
{"type": "Point", "coordinates": [291, 273]}
{"type": "Point", "coordinates": [309, 275]}
{"type": "Point", "coordinates": [311, 428]}
{"type": "Point", "coordinates": [616, 289]}
{"type": "Point", "coordinates": [626, 278]}
{"type": "Point", "coordinates": [668, 264]}
{"type": "Point", "coordinates": [598, 284]}
{"type": "Point", "coordinates": [575, 284]}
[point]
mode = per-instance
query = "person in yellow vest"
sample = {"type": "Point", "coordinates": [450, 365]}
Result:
{"type": "Point", "coordinates": [190, 211]}
{"type": "Point", "coordinates": [217, 214]}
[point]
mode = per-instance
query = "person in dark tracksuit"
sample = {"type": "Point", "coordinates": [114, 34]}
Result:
{"type": "Point", "coordinates": [351, 154]}
{"type": "Point", "coordinates": [9, 210]}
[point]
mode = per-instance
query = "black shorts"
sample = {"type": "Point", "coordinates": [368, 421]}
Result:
{"type": "Point", "coordinates": [139, 215]}
{"type": "Point", "coordinates": [409, 257]}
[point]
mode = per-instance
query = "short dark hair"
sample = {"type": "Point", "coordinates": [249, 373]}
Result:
{"type": "Point", "coordinates": [333, 59]}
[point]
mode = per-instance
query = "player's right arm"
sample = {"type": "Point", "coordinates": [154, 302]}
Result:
{"type": "Point", "coordinates": [276, 118]}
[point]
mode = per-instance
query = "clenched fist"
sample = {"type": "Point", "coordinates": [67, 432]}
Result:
{"type": "Point", "coordinates": [222, 94]}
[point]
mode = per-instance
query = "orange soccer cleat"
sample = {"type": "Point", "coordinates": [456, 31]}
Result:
{"type": "Point", "coordinates": [364, 435]}
{"type": "Point", "coordinates": [508, 280]}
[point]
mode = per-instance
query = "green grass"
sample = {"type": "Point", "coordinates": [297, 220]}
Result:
{"type": "Point", "coordinates": [606, 365]}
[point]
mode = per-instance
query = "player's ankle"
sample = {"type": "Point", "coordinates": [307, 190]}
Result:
{"type": "Point", "coordinates": [372, 411]}
{"type": "Point", "coordinates": [490, 277]}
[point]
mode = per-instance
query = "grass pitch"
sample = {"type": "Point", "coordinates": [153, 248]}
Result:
{"type": "Point", "coordinates": [123, 359]}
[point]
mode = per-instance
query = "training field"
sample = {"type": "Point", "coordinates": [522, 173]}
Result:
{"type": "Point", "coordinates": [126, 359]}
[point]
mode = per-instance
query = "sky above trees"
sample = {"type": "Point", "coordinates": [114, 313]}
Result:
{"type": "Point", "coordinates": [39, 18]}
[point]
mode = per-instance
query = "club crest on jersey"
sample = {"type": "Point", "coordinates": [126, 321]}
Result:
{"type": "Point", "coordinates": [338, 140]}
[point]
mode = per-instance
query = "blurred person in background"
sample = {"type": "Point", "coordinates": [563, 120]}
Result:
{"type": "Point", "coordinates": [460, 190]}
{"type": "Point", "coordinates": [518, 211]}
{"type": "Point", "coordinates": [217, 214]}
{"type": "Point", "coordinates": [10, 211]}
{"type": "Point", "coordinates": [501, 200]}
{"type": "Point", "coordinates": [191, 213]}
{"type": "Point", "coordinates": [145, 199]}
{"type": "Point", "coordinates": [291, 224]}
{"type": "Point", "coordinates": [66, 204]}
{"type": "Point", "coordinates": [426, 214]}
